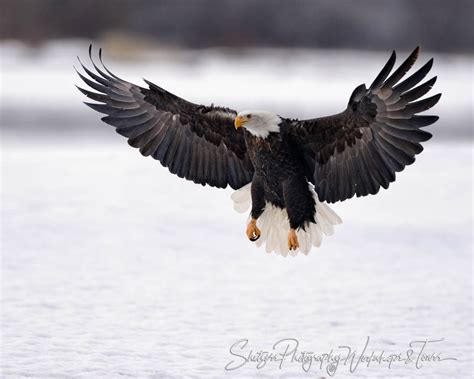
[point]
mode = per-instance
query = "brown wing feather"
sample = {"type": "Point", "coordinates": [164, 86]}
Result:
{"type": "Point", "coordinates": [196, 142]}
{"type": "Point", "coordinates": [360, 149]}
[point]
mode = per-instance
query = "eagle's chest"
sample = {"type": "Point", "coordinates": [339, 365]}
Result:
{"type": "Point", "coordinates": [271, 156]}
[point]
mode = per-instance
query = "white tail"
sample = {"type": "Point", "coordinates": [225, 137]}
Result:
{"type": "Point", "coordinates": [274, 224]}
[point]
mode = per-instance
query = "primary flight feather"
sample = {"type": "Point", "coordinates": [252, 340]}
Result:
{"type": "Point", "coordinates": [285, 169]}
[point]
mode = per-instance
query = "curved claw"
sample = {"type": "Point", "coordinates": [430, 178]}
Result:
{"type": "Point", "coordinates": [254, 237]}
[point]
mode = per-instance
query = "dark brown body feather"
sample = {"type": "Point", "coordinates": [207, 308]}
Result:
{"type": "Point", "coordinates": [280, 177]}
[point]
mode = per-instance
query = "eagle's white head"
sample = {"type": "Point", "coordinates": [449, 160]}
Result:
{"type": "Point", "coordinates": [258, 123]}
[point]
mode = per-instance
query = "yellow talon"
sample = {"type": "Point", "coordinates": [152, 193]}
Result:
{"type": "Point", "coordinates": [293, 240]}
{"type": "Point", "coordinates": [253, 233]}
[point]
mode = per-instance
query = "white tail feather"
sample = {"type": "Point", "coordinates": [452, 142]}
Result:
{"type": "Point", "coordinates": [274, 224]}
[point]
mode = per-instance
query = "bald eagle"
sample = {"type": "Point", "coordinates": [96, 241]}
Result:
{"type": "Point", "coordinates": [285, 169]}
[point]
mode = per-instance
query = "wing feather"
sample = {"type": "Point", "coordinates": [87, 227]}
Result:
{"type": "Point", "coordinates": [360, 150]}
{"type": "Point", "coordinates": [194, 141]}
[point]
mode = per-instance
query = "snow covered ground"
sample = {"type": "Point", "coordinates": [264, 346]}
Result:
{"type": "Point", "coordinates": [112, 267]}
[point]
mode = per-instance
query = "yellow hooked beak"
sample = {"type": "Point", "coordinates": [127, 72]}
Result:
{"type": "Point", "coordinates": [239, 121]}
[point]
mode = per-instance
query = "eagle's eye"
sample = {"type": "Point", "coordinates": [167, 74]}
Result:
{"type": "Point", "coordinates": [249, 116]}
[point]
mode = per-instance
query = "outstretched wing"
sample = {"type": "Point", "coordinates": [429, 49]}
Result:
{"type": "Point", "coordinates": [195, 142]}
{"type": "Point", "coordinates": [359, 150]}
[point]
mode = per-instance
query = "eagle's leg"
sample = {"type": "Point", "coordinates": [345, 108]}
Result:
{"type": "Point", "coordinates": [300, 207]}
{"type": "Point", "coordinates": [258, 205]}
{"type": "Point", "coordinates": [293, 243]}
{"type": "Point", "coordinates": [253, 232]}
